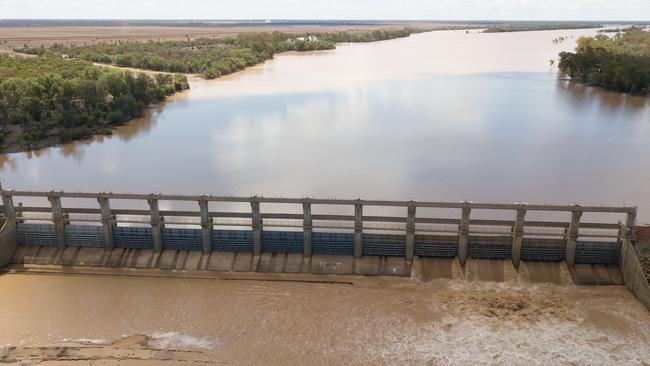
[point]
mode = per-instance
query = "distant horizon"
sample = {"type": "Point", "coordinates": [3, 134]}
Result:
{"type": "Point", "coordinates": [400, 10]}
{"type": "Point", "coordinates": [263, 20]}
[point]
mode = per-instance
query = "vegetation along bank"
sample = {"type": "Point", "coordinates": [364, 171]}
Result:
{"type": "Point", "coordinates": [620, 63]}
{"type": "Point", "coordinates": [49, 100]}
{"type": "Point", "coordinates": [212, 57]}
{"type": "Point", "coordinates": [539, 26]}
{"type": "Point", "coordinates": [61, 95]}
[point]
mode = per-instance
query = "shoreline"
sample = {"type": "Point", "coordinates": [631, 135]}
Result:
{"type": "Point", "coordinates": [195, 80]}
{"type": "Point", "coordinates": [14, 146]}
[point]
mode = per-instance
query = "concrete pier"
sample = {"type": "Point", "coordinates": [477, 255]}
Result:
{"type": "Point", "coordinates": [518, 235]}
{"type": "Point", "coordinates": [156, 223]}
{"type": "Point", "coordinates": [256, 217]}
{"type": "Point", "coordinates": [410, 232]}
{"type": "Point", "coordinates": [307, 227]}
{"type": "Point", "coordinates": [206, 226]}
{"type": "Point", "coordinates": [58, 219]}
{"type": "Point", "coordinates": [463, 234]}
{"type": "Point", "coordinates": [572, 236]}
{"type": "Point", "coordinates": [108, 221]}
{"type": "Point", "coordinates": [358, 230]}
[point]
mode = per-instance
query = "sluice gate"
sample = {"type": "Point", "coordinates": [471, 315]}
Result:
{"type": "Point", "coordinates": [306, 235]}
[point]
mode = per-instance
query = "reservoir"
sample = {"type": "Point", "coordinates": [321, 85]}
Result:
{"type": "Point", "coordinates": [445, 115]}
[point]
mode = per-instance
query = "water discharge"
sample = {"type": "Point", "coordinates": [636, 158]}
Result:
{"type": "Point", "coordinates": [373, 321]}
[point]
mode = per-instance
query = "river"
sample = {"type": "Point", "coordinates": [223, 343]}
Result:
{"type": "Point", "coordinates": [118, 320]}
{"type": "Point", "coordinates": [437, 116]}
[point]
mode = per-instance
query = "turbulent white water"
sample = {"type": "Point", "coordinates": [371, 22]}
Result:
{"type": "Point", "coordinates": [475, 341]}
{"type": "Point", "coordinates": [166, 340]}
{"type": "Point", "coordinates": [89, 341]}
{"type": "Point", "coordinates": [375, 321]}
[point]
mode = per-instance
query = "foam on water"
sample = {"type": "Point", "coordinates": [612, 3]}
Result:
{"type": "Point", "coordinates": [500, 323]}
{"type": "Point", "coordinates": [166, 340]}
{"type": "Point", "coordinates": [479, 342]}
{"type": "Point", "coordinates": [467, 342]}
{"type": "Point", "coordinates": [390, 321]}
{"type": "Point", "coordinates": [93, 341]}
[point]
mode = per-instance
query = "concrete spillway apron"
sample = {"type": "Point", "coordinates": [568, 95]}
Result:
{"type": "Point", "coordinates": [7, 242]}
{"type": "Point", "coordinates": [633, 274]}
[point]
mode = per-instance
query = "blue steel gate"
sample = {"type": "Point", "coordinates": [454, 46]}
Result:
{"type": "Point", "coordinates": [323, 243]}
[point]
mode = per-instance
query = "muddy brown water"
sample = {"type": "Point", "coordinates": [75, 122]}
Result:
{"type": "Point", "coordinates": [373, 321]}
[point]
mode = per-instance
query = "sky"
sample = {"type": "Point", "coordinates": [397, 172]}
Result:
{"type": "Point", "coordinates": [329, 9]}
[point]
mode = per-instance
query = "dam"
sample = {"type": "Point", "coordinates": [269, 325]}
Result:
{"type": "Point", "coordinates": [157, 278]}
{"type": "Point", "coordinates": [594, 246]}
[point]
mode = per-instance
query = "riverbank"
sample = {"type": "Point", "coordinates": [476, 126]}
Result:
{"type": "Point", "coordinates": [540, 26]}
{"type": "Point", "coordinates": [620, 63]}
{"type": "Point", "coordinates": [23, 130]}
{"type": "Point", "coordinates": [49, 100]}
{"type": "Point", "coordinates": [213, 57]}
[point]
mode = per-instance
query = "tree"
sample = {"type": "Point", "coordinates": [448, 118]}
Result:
{"type": "Point", "coordinates": [113, 83]}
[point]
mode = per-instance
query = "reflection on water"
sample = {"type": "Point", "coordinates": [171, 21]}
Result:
{"type": "Point", "coordinates": [613, 101]}
{"type": "Point", "coordinates": [437, 116]}
{"type": "Point", "coordinates": [139, 126]}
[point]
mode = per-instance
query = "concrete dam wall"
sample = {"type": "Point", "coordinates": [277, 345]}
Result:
{"type": "Point", "coordinates": [305, 235]}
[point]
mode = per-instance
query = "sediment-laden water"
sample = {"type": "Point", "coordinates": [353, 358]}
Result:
{"type": "Point", "coordinates": [373, 321]}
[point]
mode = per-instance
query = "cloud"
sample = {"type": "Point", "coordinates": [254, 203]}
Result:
{"type": "Point", "coordinates": [330, 9]}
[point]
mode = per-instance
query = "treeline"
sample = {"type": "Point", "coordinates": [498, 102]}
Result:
{"type": "Point", "coordinates": [620, 63]}
{"type": "Point", "coordinates": [212, 57]}
{"type": "Point", "coordinates": [535, 26]}
{"type": "Point", "coordinates": [619, 30]}
{"type": "Point", "coordinates": [209, 57]}
{"type": "Point", "coordinates": [48, 100]}
{"type": "Point", "coordinates": [372, 36]}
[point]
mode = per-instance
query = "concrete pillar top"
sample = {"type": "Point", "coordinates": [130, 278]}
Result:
{"type": "Point", "coordinates": [54, 195]}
